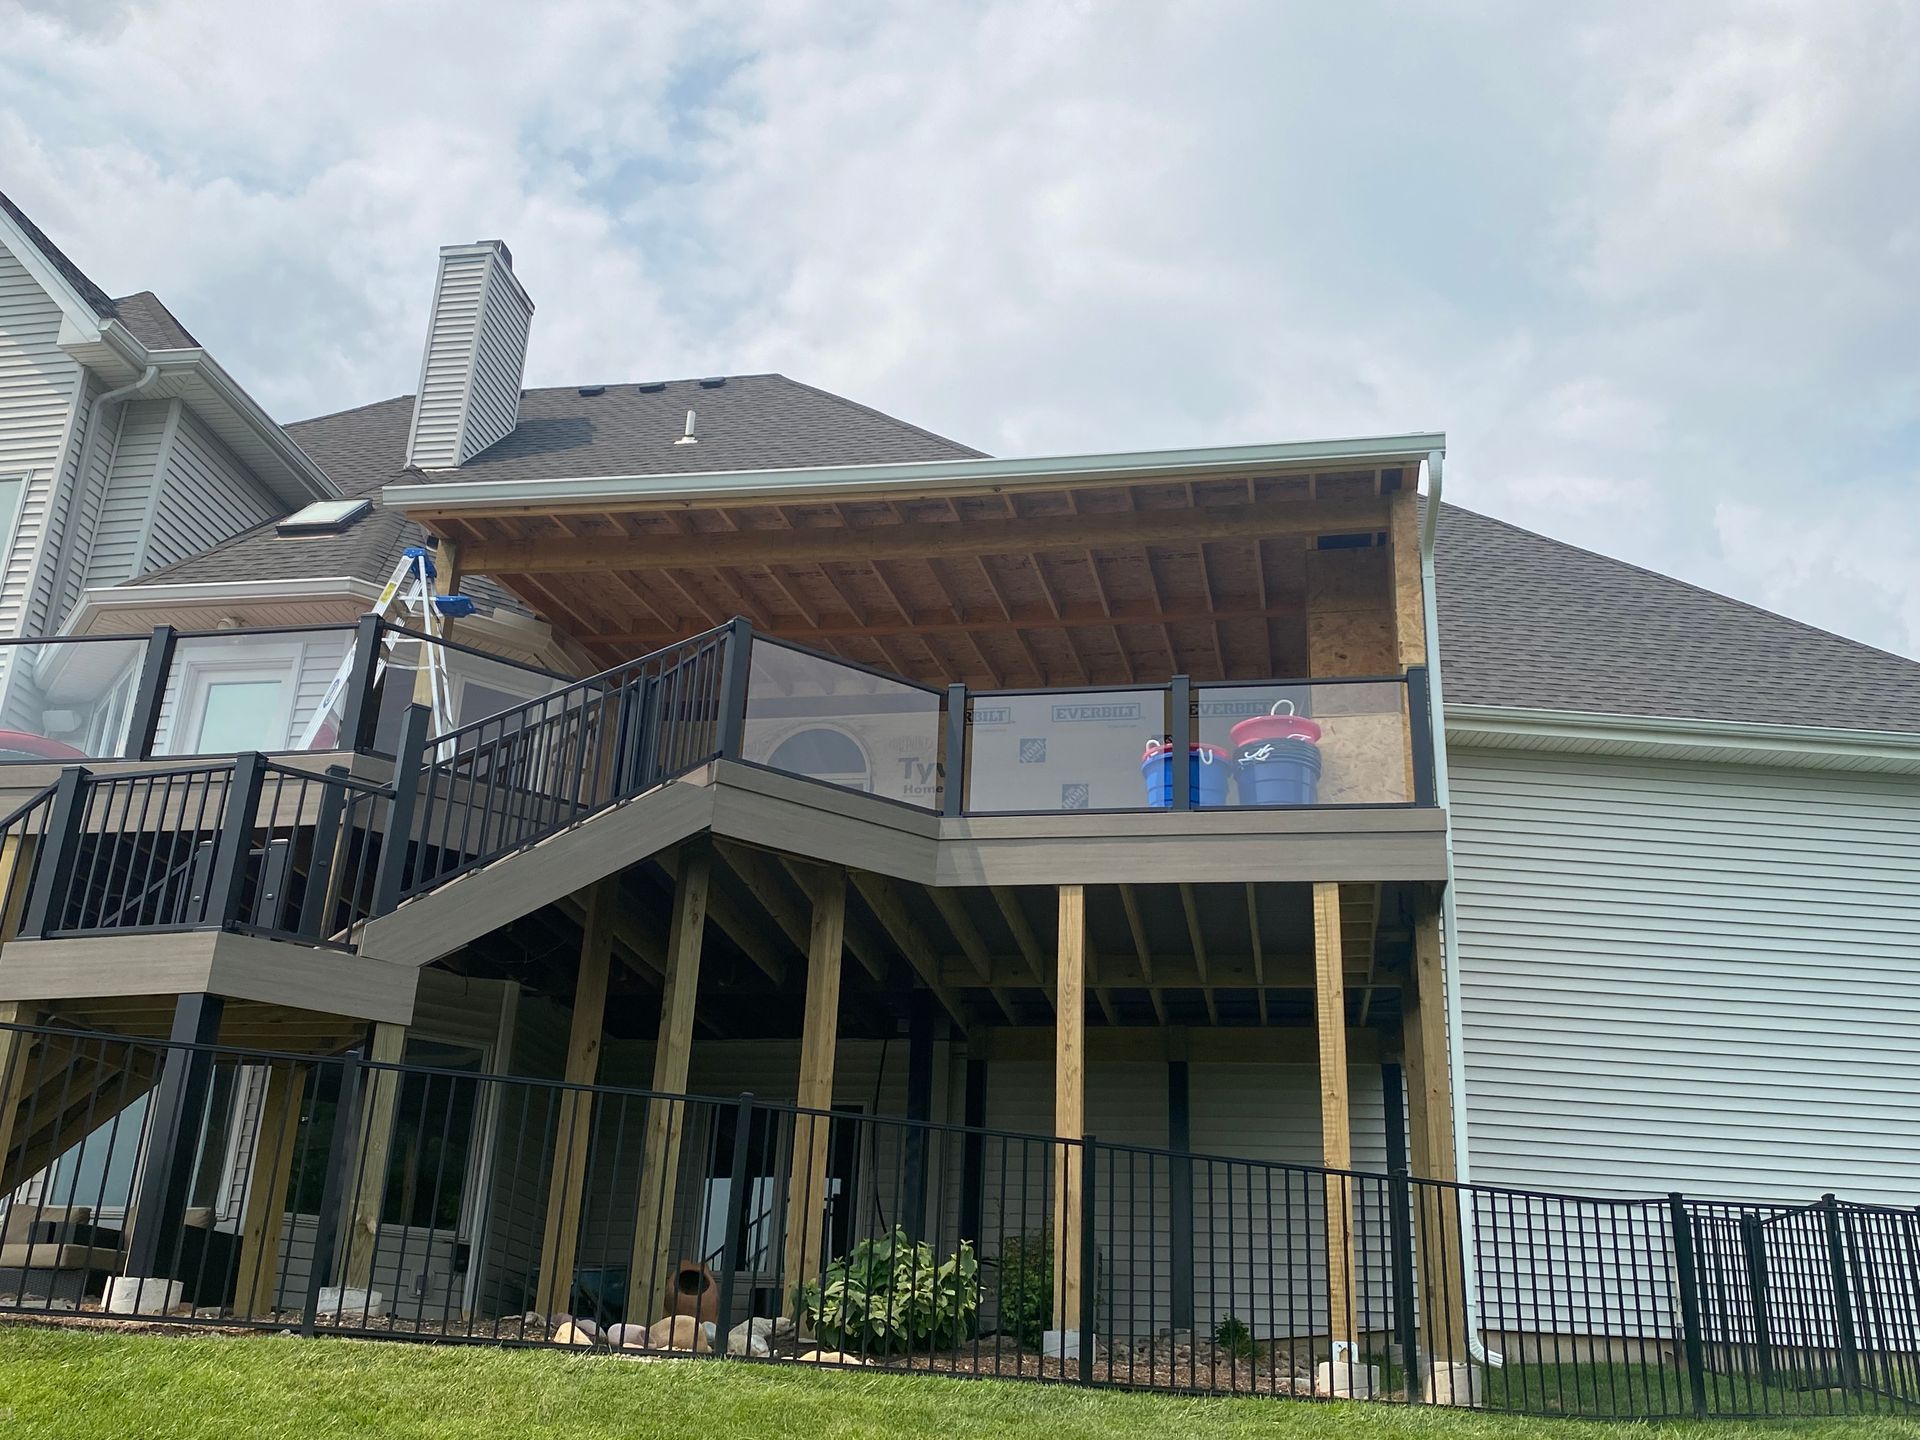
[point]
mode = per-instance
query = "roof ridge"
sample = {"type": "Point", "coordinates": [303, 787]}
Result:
{"type": "Point", "coordinates": [879, 414]}
{"type": "Point", "coordinates": [1689, 585]}
{"type": "Point", "coordinates": [98, 299]}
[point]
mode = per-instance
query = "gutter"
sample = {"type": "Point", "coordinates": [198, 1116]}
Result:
{"type": "Point", "coordinates": [1449, 919]}
{"type": "Point", "coordinates": [933, 475]}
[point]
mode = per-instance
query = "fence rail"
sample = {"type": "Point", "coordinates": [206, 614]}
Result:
{"type": "Point", "coordinates": [531, 1212]}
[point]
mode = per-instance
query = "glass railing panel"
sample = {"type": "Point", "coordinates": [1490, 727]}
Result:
{"type": "Point", "coordinates": [478, 685]}
{"type": "Point", "coordinates": [1306, 743]}
{"type": "Point", "coordinates": [842, 724]}
{"type": "Point", "coordinates": [65, 700]}
{"type": "Point", "coordinates": [253, 690]}
{"type": "Point", "coordinates": [1064, 750]}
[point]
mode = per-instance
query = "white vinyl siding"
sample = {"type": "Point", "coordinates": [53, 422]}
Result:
{"type": "Point", "coordinates": [38, 385]}
{"type": "Point", "coordinates": [118, 529]}
{"type": "Point", "coordinates": [476, 353]}
{"type": "Point", "coordinates": [1689, 978]}
{"type": "Point", "coordinates": [207, 495]}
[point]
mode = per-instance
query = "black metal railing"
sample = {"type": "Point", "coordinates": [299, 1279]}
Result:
{"type": "Point", "coordinates": [509, 1210]}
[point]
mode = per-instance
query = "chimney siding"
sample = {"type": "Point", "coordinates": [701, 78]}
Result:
{"type": "Point", "coordinates": [476, 352]}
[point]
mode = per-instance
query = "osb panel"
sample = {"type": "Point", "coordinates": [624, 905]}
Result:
{"type": "Point", "coordinates": [1354, 642]}
{"type": "Point", "coordinates": [1363, 760]}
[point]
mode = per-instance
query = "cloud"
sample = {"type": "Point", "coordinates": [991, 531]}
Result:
{"type": "Point", "coordinates": [1647, 265]}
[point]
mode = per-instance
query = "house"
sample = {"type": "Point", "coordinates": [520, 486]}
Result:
{"type": "Point", "coordinates": [794, 750]}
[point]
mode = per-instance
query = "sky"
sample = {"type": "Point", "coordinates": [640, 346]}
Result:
{"type": "Point", "coordinates": [1653, 268]}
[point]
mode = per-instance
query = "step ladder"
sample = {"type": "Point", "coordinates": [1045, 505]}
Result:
{"type": "Point", "coordinates": [407, 595]}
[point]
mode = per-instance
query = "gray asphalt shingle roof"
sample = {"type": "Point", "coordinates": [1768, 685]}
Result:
{"type": "Point", "coordinates": [1535, 623]}
{"type": "Point", "coordinates": [143, 313]}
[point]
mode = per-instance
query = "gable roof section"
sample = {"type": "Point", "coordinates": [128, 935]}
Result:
{"type": "Point", "coordinates": [145, 316]}
{"type": "Point", "coordinates": [1531, 623]}
{"type": "Point", "coordinates": [763, 421]}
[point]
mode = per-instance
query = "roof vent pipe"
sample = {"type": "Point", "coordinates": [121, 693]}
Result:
{"type": "Point", "coordinates": [687, 438]}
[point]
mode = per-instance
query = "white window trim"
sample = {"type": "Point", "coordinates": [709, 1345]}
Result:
{"type": "Point", "coordinates": [282, 663]}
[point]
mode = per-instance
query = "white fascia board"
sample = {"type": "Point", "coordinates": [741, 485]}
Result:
{"type": "Point", "coordinates": [1729, 742]}
{"type": "Point", "coordinates": [82, 317]}
{"type": "Point", "coordinates": [106, 598]}
{"type": "Point", "coordinates": [924, 475]}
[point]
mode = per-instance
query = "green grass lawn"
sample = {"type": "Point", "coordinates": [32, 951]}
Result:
{"type": "Point", "coordinates": [92, 1385]}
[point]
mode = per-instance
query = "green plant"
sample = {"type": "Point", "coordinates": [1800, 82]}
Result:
{"type": "Point", "coordinates": [1233, 1336]}
{"type": "Point", "coordinates": [890, 1294]}
{"type": "Point", "coordinates": [1026, 1286]}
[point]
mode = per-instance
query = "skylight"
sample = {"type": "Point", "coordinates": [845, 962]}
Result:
{"type": "Point", "coordinates": [324, 517]}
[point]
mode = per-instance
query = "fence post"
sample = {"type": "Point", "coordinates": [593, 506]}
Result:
{"type": "Point", "coordinates": [1842, 1295]}
{"type": "Point", "coordinates": [358, 714]}
{"type": "Point", "coordinates": [1089, 1262]}
{"type": "Point", "coordinates": [1689, 1278]}
{"type": "Point", "coordinates": [390, 882]}
{"type": "Point", "coordinates": [227, 887]}
{"type": "Point", "coordinates": [1753, 1246]}
{"type": "Point", "coordinates": [953, 762]}
{"type": "Point", "coordinates": [333, 1188]}
{"type": "Point", "coordinates": [736, 1220]}
{"type": "Point", "coordinates": [1180, 739]}
{"type": "Point", "coordinates": [144, 723]}
{"type": "Point", "coordinates": [1400, 1227]}
{"type": "Point", "coordinates": [734, 671]}
{"type": "Point", "coordinates": [60, 848]}
{"type": "Point", "coordinates": [1420, 717]}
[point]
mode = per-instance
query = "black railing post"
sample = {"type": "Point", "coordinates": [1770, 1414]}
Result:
{"type": "Point", "coordinates": [59, 852]}
{"type": "Point", "coordinates": [1180, 739]}
{"type": "Point", "coordinates": [226, 890]}
{"type": "Point", "coordinates": [1400, 1227]}
{"type": "Point", "coordinates": [1089, 1261]}
{"type": "Point", "coordinates": [333, 1186]}
{"type": "Point", "coordinates": [1842, 1294]}
{"type": "Point", "coordinates": [176, 1118]}
{"type": "Point", "coordinates": [734, 672]}
{"type": "Point", "coordinates": [144, 723]}
{"type": "Point", "coordinates": [316, 919]}
{"type": "Point", "coordinates": [1179, 1195]}
{"type": "Point", "coordinates": [1420, 717]}
{"type": "Point", "coordinates": [1688, 1275]}
{"type": "Point", "coordinates": [736, 1220]}
{"type": "Point", "coordinates": [1753, 1245]}
{"type": "Point", "coordinates": [973, 1148]}
{"type": "Point", "coordinates": [953, 757]}
{"type": "Point", "coordinates": [359, 715]}
{"type": "Point", "coordinates": [913, 1181]}
{"type": "Point", "coordinates": [390, 881]}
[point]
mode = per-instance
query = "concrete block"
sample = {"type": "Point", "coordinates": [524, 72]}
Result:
{"type": "Point", "coordinates": [141, 1295]}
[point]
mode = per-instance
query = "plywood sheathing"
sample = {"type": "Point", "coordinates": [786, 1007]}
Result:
{"type": "Point", "coordinates": [1129, 606]}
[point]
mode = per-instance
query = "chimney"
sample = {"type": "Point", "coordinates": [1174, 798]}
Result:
{"type": "Point", "coordinates": [469, 395]}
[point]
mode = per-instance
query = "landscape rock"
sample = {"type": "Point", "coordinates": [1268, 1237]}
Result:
{"type": "Point", "coordinates": [572, 1334]}
{"type": "Point", "coordinates": [679, 1332]}
{"type": "Point", "coordinates": [627, 1337]}
{"type": "Point", "coordinates": [831, 1357]}
{"type": "Point", "coordinates": [755, 1337]}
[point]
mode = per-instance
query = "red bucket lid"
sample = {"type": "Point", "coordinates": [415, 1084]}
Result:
{"type": "Point", "coordinates": [1279, 723]}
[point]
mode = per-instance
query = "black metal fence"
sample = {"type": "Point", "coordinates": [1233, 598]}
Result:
{"type": "Point", "coordinates": [250, 1189]}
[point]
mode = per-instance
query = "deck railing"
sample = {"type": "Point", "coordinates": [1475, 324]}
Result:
{"type": "Point", "coordinates": [254, 844]}
{"type": "Point", "coordinates": [509, 1210]}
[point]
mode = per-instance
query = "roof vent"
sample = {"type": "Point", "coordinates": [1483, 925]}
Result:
{"type": "Point", "coordinates": [687, 438]}
{"type": "Point", "coordinates": [652, 387]}
{"type": "Point", "coordinates": [713, 382]}
{"type": "Point", "coordinates": [324, 517]}
{"type": "Point", "coordinates": [593, 389]}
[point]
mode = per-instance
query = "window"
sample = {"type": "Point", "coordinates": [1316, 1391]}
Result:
{"type": "Point", "coordinates": [324, 517]}
{"type": "Point", "coordinates": [237, 715]}
{"type": "Point", "coordinates": [822, 754]}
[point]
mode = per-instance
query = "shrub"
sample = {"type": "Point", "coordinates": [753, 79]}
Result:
{"type": "Point", "coordinates": [889, 1294]}
{"type": "Point", "coordinates": [1233, 1336]}
{"type": "Point", "coordinates": [1026, 1287]}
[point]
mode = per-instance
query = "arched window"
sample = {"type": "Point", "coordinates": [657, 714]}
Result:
{"type": "Point", "coordinates": [823, 754]}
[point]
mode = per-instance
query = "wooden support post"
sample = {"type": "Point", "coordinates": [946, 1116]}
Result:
{"type": "Point", "coordinates": [673, 1053]}
{"type": "Point", "coordinates": [376, 1143]}
{"type": "Point", "coordinates": [559, 1247]}
{"type": "Point", "coordinates": [16, 867]}
{"type": "Point", "coordinates": [1069, 1103]}
{"type": "Point", "coordinates": [1437, 1234]}
{"type": "Point", "coordinates": [13, 1065]}
{"type": "Point", "coordinates": [257, 1275]}
{"type": "Point", "coordinates": [807, 1181]}
{"type": "Point", "coordinates": [1336, 1134]}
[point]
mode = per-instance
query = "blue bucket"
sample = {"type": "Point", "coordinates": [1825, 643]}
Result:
{"type": "Point", "coordinates": [1207, 772]}
{"type": "Point", "coordinates": [1279, 772]}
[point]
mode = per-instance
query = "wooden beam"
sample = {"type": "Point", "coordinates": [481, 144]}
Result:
{"type": "Point", "coordinates": [911, 940]}
{"type": "Point", "coordinates": [1437, 1234]}
{"type": "Point", "coordinates": [739, 927]}
{"type": "Point", "coordinates": [16, 869]}
{"type": "Point", "coordinates": [1259, 950]}
{"type": "Point", "coordinates": [1069, 1102]}
{"type": "Point", "coordinates": [1191, 905]}
{"type": "Point", "coordinates": [953, 910]}
{"type": "Point", "coordinates": [257, 1275]}
{"type": "Point", "coordinates": [819, 1031]}
{"type": "Point", "coordinates": [1019, 536]}
{"type": "Point", "coordinates": [1336, 1135]}
{"type": "Point", "coordinates": [387, 1045]}
{"type": "Point", "coordinates": [672, 1055]}
{"type": "Point", "coordinates": [1130, 903]}
{"type": "Point", "coordinates": [862, 943]}
{"type": "Point", "coordinates": [1008, 899]}
{"type": "Point", "coordinates": [1122, 972]}
{"type": "Point", "coordinates": [13, 1067]}
{"type": "Point", "coordinates": [573, 1130]}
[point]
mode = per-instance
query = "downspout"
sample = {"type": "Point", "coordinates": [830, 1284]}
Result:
{"type": "Point", "coordinates": [1449, 922]}
{"type": "Point", "coordinates": [80, 473]}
